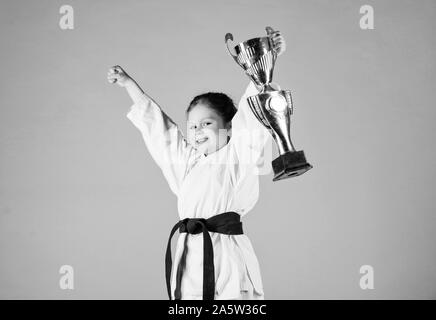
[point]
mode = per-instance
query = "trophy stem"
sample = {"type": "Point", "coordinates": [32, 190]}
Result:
{"type": "Point", "coordinates": [267, 88]}
{"type": "Point", "coordinates": [285, 147]}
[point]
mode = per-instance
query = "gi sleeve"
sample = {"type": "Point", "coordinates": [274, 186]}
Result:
{"type": "Point", "coordinates": [249, 135]}
{"type": "Point", "coordinates": [163, 139]}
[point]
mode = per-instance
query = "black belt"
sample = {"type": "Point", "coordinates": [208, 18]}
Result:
{"type": "Point", "coordinates": [226, 223]}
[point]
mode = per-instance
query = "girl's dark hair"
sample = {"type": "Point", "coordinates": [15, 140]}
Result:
{"type": "Point", "coordinates": [221, 103]}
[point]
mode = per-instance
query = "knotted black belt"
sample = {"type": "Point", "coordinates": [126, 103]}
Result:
{"type": "Point", "coordinates": [226, 223]}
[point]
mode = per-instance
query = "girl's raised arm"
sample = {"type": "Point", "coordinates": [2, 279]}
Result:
{"type": "Point", "coordinates": [162, 137]}
{"type": "Point", "coordinates": [249, 136]}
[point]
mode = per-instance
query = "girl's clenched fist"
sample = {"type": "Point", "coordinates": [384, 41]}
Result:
{"type": "Point", "coordinates": [117, 75]}
{"type": "Point", "coordinates": [277, 39]}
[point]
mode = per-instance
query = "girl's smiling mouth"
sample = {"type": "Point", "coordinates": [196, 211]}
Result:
{"type": "Point", "coordinates": [200, 141]}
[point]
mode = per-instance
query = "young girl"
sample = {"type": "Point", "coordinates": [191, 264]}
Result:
{"type": "Point", "coordinates": [213, 184]}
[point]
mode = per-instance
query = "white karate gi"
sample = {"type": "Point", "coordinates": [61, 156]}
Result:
{"type": "Point", "coordinates": [206, 186]}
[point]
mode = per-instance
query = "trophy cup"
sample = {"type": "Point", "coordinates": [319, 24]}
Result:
{"type": "Point", "coordinates": [273, 108]}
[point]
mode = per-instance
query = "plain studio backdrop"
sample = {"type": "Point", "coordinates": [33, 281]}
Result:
{"type": "Point", "coordinates": [78, 186]}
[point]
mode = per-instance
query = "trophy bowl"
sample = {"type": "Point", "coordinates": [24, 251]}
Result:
{"type": "Point", "coordinates": [257, 57]}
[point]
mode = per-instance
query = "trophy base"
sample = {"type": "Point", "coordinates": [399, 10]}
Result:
{"type": "Point", "coordinates": [290, 164]}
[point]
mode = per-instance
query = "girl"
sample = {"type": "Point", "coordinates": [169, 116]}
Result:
{"type": "Point", "coordinates": [213, 184]}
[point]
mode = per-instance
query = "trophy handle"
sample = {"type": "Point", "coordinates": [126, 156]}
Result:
{"type": "Point", "coordinates": [227, 38]}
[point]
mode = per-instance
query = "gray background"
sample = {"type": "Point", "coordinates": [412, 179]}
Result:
{"type": "Point", "coordinates": [78, 187]}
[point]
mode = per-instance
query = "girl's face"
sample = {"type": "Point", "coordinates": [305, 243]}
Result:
{"type": "Point", "coordinates": [207, 131]}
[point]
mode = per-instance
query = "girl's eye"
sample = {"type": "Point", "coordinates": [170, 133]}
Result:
{"type": "Point", "coordinates": [206, 124]}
